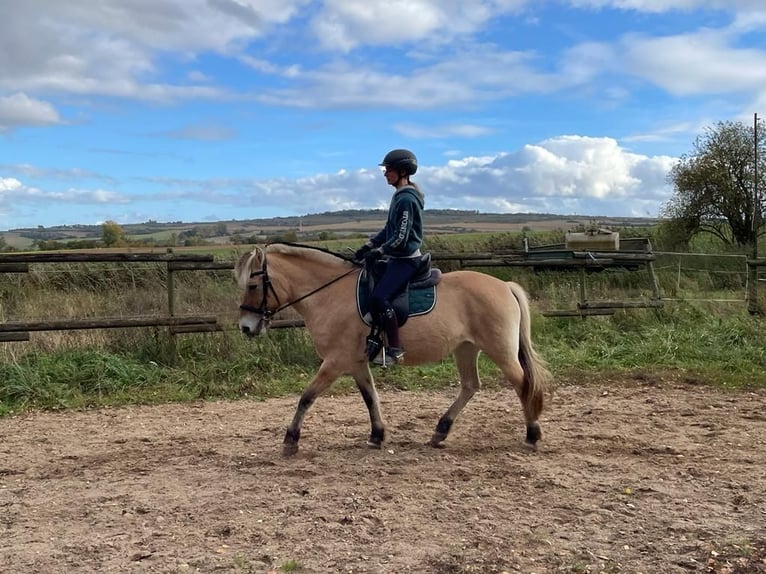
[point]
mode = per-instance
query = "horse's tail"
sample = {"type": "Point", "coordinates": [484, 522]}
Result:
{"type": "Point", "coordinates": [537, 378]}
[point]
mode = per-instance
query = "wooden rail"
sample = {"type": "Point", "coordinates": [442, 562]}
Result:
{"type": "Point", "coordinates": [19, 263]}
{"type": "Point", "coordinates": [86, 257]}
{"type": "Point", "coordinates": [537, 259]}
{"type": "Point", "coordinates": [107, 323]}
{"type": "Point", "coordinates": [14, 267]}
{"type": "Point", "coordinates": [11, 337]}
{"type": "Point", "coordinates": [649, 303]}
{"type": "Point", "coordinates": [554, 259]}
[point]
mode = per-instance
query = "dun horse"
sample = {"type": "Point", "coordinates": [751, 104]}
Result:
{"type": "Point", "coordinates": [474, 313]}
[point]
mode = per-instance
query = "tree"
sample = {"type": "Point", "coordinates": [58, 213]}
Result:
{"type": "Point", "coordinates": [112, 234]}
{"type": "Point", "coordinates": [714, 186]}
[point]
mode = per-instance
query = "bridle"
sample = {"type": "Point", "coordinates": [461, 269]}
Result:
{"type": "Point", "coordinates": [266, 286]}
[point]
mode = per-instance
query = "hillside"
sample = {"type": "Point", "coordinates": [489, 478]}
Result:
{"type": "Point", "coordinates": [336, 224]}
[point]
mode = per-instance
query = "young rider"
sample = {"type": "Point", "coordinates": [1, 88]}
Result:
{"type": "Point", "coordinates": [399, 242]}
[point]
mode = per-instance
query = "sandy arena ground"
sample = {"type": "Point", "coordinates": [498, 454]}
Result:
{"type": "Point", "coordinates": [632, 476]}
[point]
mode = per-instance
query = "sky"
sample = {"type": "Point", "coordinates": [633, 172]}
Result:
{"type": "Point", "coordinates": [215, 110]}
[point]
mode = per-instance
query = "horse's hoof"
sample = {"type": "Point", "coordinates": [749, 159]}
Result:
{"type": "Point", "coordinates": [289, 449]}
{"type": "Point", "coordinates": [530, 446]}
{"type": "Point", "coordinates": [375, 445]}
{"type": "Point", "coordinates": [437, 439]}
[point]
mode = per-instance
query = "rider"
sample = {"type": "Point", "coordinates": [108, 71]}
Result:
{"type": "Point", "coordinates": [399, 242]}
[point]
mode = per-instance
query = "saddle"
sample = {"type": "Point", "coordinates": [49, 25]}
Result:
{"type": "Point", "coordinates": [417, 298]}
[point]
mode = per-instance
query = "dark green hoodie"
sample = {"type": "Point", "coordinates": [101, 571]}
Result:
{"type": "Point", "coordinates": [403, 234]}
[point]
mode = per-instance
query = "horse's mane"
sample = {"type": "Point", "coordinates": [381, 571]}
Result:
{"type": "Point", "coordinates": [252, 261]}
{"type": "Point", "coordinates": [311, 252]}
{"type": "Point", "coordinates": [246, 265]}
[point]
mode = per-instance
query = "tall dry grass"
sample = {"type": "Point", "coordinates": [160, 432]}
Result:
{"type": "Point", "coordinates": [712, 341]}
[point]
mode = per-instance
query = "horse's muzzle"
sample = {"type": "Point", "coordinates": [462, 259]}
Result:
{"type": "Point", "coordinates": [251, 328]}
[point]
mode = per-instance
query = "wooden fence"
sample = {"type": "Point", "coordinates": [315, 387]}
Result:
{"type": "Point", "coordinates": [19, 263]}
{"type": "Point", "coordinates": [753, 265]}
{"type": "Point", "coordinates": [536, 260]}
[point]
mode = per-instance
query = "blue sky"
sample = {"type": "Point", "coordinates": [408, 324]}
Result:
{"type": "Point", "coordinates": [208, 110]}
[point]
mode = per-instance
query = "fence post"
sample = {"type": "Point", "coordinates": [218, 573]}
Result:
{"type": "Point", "coordinates": [752, 288]}
{"type": "Point", "coordinates": [172, 306]}
{"type": "Point", "coordinates": [171, 290]}
{"type": "Point", "coordinates": [657, 290]}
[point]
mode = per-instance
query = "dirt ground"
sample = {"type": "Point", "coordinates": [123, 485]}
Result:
{"type": "Point", "coordinates": [632, 476]}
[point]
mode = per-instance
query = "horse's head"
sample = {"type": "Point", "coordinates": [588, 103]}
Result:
{"type": "Point", "coordinates": [252, 275]}
{"type": "Point", "coordinates": [300, 272]}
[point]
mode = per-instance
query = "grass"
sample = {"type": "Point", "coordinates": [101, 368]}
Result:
{"type": "Point", "coordinates": [696, 341]}
{"type": "Point", "coordinates": [290, 566]}
{"type": "Point", "coordinates": [683, 338]}
{"type": "Point", "coordinates": [683, 342]}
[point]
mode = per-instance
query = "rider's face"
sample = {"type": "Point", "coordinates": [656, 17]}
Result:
{"type": "Point", "coordinates": [392, 176]}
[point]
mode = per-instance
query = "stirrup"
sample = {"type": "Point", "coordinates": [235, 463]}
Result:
{"type": "Point", "coordinates": [389, 356]}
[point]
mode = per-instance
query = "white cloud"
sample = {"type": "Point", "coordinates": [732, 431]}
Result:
{"type": "Point", "coordinates": [657, 6]}
{"type": "Point", "coordinates": [671, 130]}
{"type": "Point", "coordinates": [455, 57]}
{"type": "Point", "coordinates": [69, 174]}
{"type": "Point", "coordinates": [109, 47]}
{"type": "Point", "coordinates": [201, 132]}
{"type": "Point", "coordinates": [346, 24]}
{"type": "Point", "coordinates": [475, 75]}
{"type": "Point", "coordinates": [436, 132]}
{"type": "Point", "coordinates": [8, 185]}
{"type": "Point", "coordinates": [575, 173]}
{"type": "Point", "coordinates": [583, 62]}
{"type": "Point", "coordinates": [14, 194]}
{"type": "Point", "coordinates": [72, 195]}
{"type": "Point", "coordinates": [21, 110]}
{"type": "Point", "coordinates": [692, 64]}
{"type": "Point", "coordinates": [567, 174]}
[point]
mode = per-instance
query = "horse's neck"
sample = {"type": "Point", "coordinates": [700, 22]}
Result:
{"type": "Point", "coordinates": [294, 278]}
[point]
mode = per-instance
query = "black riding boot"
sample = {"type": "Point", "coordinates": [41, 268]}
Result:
{"type": "Point", "coordinates": [393, 351]}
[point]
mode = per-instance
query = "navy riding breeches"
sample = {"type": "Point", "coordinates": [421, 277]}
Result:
{"type": "Point", "coordinates": [397, 275]}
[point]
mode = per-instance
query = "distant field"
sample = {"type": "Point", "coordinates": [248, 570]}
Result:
{"type": "Point", "coordinates": [16, 240]}
{"type": "Point", "coordinates": [437, 222]}
{"type": "Point", "coordinates": [452, 227]}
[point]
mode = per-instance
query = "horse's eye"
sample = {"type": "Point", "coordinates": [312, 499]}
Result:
{"type": "Point", "coordinates": [252, 287]}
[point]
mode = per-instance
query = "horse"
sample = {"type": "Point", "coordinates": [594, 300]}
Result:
{"type": "Point", "coordinates": [474, 312]}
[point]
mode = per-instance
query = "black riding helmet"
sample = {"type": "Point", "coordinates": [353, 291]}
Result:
{"type": "Point", "coordinates": [401, 160]}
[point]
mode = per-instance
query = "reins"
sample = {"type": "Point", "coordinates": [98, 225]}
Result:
{"type": "Point", "coordinates": [267, 286]}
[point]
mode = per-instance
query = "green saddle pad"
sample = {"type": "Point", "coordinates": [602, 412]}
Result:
{"type": "Point", "coordinates": [421, 301]}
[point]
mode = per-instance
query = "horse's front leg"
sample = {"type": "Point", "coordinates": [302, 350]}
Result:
{"type": "Point", "coordinates": [366, 385]}
{"type": "Point", "coordinates": [325, 377]}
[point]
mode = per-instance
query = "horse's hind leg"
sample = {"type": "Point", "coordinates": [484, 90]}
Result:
{"type": "Point", "coordinates": [466, 357]}
{"type": "Point", "coordinates": [515, 377]}
{"type": "Point", "coordinates": [366, 385]}
{"type": "Point", "coordinates": [325, 377]}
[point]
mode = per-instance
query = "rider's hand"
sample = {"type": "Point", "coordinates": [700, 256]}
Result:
{"type": "Point", "coordinates": [361, 253]}
{"type": "Point", "coordinates": [372, 256]}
